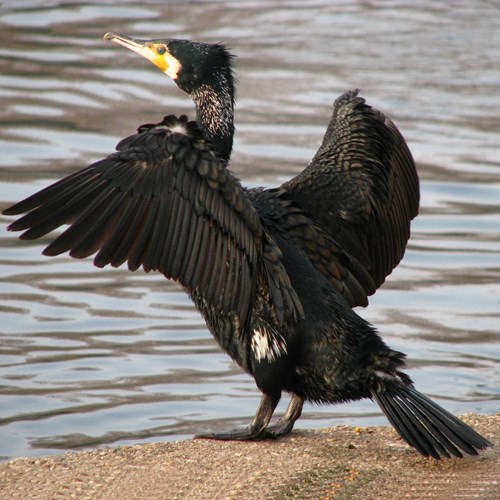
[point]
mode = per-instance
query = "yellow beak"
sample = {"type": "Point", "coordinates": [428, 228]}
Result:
{"type": "Point", "coordinates": [153, 50]}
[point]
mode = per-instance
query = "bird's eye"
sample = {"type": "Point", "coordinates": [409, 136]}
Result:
{"type": "Point", "coordinates": [161, 50]}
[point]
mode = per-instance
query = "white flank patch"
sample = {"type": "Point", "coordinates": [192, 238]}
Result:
{"type": "Point", "coordinates": [266, 345]}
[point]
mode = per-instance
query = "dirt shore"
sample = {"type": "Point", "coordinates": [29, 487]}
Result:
{"type": "Point", "coordinates": [341, 462]}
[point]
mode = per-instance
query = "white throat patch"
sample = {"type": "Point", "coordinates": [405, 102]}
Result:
{"type": "Point", "coordinates": [173, 66]}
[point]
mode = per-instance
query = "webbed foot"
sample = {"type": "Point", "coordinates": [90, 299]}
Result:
{"type": "Point", "coordinates": [259, 429]}
{"type": "Point", "coordinates": [244, 434]}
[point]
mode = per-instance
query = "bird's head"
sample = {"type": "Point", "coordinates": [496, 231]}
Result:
{"type": "Point", "coordinates": [190, 64]}
{"type": "Point", "coordinates": [203, 71]}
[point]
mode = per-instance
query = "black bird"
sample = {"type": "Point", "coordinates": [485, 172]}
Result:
{"type": "Point", "coordinates": [275, 272]}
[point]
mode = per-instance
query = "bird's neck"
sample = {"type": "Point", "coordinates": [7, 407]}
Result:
{"type": "Point", "coordinates": [215, 115]}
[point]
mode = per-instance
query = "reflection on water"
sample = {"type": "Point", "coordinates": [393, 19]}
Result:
{"type": "Point", "coordinates": [91, 357]}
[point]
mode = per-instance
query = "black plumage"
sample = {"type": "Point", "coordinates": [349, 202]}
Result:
{"type": "Point", "coordinates": [275, 272]}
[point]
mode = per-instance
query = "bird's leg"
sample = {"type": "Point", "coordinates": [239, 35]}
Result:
{"type": "Point", "coordinates": [285, 424]}
{"type": "Point", "coordinates": [256, 430]}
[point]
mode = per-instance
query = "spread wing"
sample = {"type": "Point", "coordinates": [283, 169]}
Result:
{"type": "Point", "coordinates": [281, 215]}
{"type": "Point", "coordinates": [361, 189]}
{"type": "Point", "coordinates": [163, 201]}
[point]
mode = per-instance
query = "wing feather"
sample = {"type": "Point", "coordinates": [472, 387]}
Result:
{"type": "Point", "coordinates": [124, 245]}
{"type": "Point", "coordinates": [361, 189]}
{"type": "Point", "coordinates": [180, 239]}
{"type": "Point", "coordinates": [205, 273]}
{"type": "Point", "coordinates": [154, 247]}
{"type": "Point", "coordinates": [201, 260]}
{"type": "Point", "coordinates": [98, 222]}
{"type": "Point", "coordinates": [220, 251]}
{"type": "Point", "coordinates": [137, 254]}
{"type": "Point", "coordinates": [53, 213]}
{"type": "Point", "coordinates": [110, 246]}
{"type": "Point", "coordinates": [165, 202]}
{"type": "Point", "coordinates": [229, 284]}
{"type": "Point", "coordinates": [200, 233]}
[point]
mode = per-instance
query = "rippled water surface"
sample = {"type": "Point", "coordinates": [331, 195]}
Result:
{"type": "Point", "coordinates": [91, 357]}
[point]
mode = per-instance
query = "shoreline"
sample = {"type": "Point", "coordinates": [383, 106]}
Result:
{"type": "Point", "coordinates": [338, 462]}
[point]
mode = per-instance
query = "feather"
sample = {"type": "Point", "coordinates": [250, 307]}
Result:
{"type": "Point", "coordinates": [361, 188]}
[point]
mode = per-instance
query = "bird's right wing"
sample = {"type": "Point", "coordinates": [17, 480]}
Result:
{"type": "Point", "coordinates": [361, 189]}
{"type": "Point", "coordinates": [163, 201]}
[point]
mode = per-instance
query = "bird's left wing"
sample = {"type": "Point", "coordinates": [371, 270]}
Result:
{"type": "Point", "coordinates": [362, 189]}
{"type": "Point", "coordinates": [163, 201]}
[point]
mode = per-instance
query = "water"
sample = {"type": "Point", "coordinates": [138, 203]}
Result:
{"type": "Point", "coordinates": [93, 357]}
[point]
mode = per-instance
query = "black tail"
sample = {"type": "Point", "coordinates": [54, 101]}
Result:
{"type": "Point", "coordinates": [423, 424]}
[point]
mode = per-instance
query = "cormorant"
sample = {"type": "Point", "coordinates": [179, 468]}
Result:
{"type": "Point", "coordinates": [275, 272]}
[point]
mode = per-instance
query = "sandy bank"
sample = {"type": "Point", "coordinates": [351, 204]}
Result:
{"type": "Point", "coordinates": [341, 462]}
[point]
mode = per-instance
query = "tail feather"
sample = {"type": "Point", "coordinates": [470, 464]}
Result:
{"type": "Point", "coordinates": [411, 430]}
{"type": "Point", "coordinates": [434, 428]}
{"type": "Point", "coordinates": [461, 434]}
{"type": "Point", "coordinates": [423, 424]}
